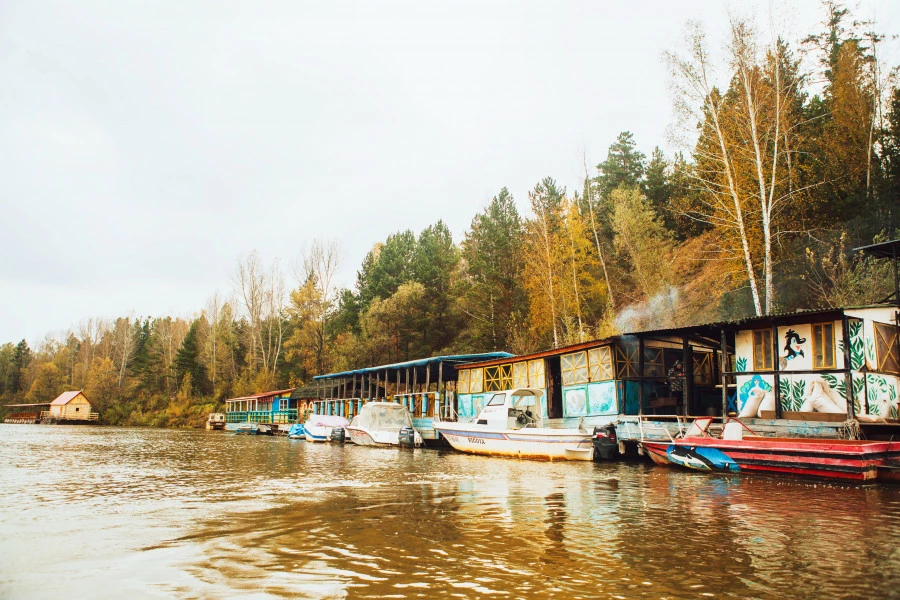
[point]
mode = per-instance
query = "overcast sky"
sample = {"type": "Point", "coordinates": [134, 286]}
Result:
{"type": "Point", "coordinates": [146, 146]}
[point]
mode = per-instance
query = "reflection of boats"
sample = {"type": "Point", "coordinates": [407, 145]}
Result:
{"type": "Point", "coordinates": [381, 423]}
{"type": "Point", "coordinates": [318, 427]}
{"type": "Point", "coordinates": [738, 449]}
{"type": "Point", "coordinates": [297, 432]}
{"type": "Point", "coordinates": [511, 424]}
{"type": "Point", "coordinates": [253, 429]}
{"type": "Point", "coordinates": [216, 421]}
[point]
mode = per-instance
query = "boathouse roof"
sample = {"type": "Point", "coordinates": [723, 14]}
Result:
{"type": "Point", "coordinates": [889, 249]}
{"type": "Point", "coordinates": [709, 331]}
{"type": "Point", "coordinates": [65, 398]}
{"type": "Point", "coordinates": [261, 395]}
{"type": "Point", "coordinates": [452, 358]}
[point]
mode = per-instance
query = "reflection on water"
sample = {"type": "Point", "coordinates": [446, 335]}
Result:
{"type": "Point", "coordinates": [103, 512]}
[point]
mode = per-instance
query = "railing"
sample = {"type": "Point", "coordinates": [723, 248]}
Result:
{"type": "Point", "coordinates": [71, 416]}
{"type": "Point", "coordinates": [262, 416]}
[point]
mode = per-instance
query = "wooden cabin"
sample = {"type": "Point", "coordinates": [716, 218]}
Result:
{"type": "Point", "coordinates": [70, 407]}
{"type": "Point", "coordinates": [799, 367]}
{"type": "Point", "coordinates": [782, 374]}
{"type": "Point", "coordinates": [667, 373]}
{"type": "Point", "coordinates": [427, 387]}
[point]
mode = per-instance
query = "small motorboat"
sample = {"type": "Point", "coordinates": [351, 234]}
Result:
{"type": "Point", "coordinates": [736, 448]}
{"type": "Point", "coordinates": [511, 424]}
{"type": "Point", "coordinates": [215, 421]}
{"type": "Point", "coordinates": [319, 427]}
{"type": "Point", "coordinates": [383, 424]}
{"type": "Point", "coordinates": [297, 432]}
{"type": "Point", "coordinates": [253, 429]}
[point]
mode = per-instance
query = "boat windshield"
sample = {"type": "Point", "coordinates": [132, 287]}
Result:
{"type": "Point", "coordinates": [497, 400]}
{"type": "Point", "coordinates": [524, 400]}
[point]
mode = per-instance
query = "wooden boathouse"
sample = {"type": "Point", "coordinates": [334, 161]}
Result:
{"type": "Point", "coordinates": [273, 408]}
{"type": "Point", "coordinates": [427, 387]}
{"type": "Point", "coordinates": [70, 407]}
{"type": "Point", "coordinates": [782, 374]}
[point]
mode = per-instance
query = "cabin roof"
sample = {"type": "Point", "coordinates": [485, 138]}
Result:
{"type": "Point", "coordinates": [65, 398]}
{"type": "Point", "coordinates": [452, 358]}
{"type": "Point", "coordinates": [710, 331]}
{"type": "Point", "coordinates": [889, 249]}
{"type": "Point", "coordinates": [261, 395]}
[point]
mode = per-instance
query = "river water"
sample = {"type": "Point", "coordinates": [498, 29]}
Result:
{"type": "Point", "coordinates": [146, 513]}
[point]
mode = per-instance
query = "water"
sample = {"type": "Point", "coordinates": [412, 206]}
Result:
{"type": "Point", "coordinates": [144, 513]}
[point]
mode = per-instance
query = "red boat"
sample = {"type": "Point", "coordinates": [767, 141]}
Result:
{"type": "Point", "coordinates": [738, 449]}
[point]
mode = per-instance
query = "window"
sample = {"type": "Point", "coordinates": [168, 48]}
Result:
{"type": "Point", "coordinates": [653, 362]}
{"type": "Point", "coordinates": [498, 378]}
{"type": "Point", "coordinates": [626, 361]}
{"type": "Point", "coordinates": [497, 400]}
{"type": "Point", "coordinates": [823, 345]}
{"type": "Point", "coordinates": [762, 350]}
{"type": "Point", "coordinates": [703, 368]}
{"type": "Point", "coordinates": [574, 368]}
{"type": "Point", "coordinates": [886, 348]}
{"type": "Point", "coordinates": [536, 376]}
{"type": "Point", "coordinates": [600, 364]}
{"type": "Point", "coordinates": [462, 384]}
{"type": "Point", "coordinates": [520, 374]}
{"type": "Point", "coordinates": [476, 381]}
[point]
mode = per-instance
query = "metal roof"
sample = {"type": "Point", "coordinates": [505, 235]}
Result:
{"type": "Point", "coordinates": [687, 330]}
{"type": "Point", "coordinates": [262, 395]}
{"type": "Point", "coordinates": [453, 358]}
{"type": "Point", "coordinates": [889, 249]}
{"type": "Point", "coordinates": [65, 398]}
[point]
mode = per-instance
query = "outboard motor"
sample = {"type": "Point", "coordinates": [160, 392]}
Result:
{"type": "Point", "coordinates": [407, 437]}
{"type": "Point", "coordinates": [606, 445]}
{"type": "Point", "coordinates": [338, 435]}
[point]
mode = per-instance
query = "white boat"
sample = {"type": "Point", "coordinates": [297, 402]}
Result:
{"type": "Point", "coordinates": [380, 424]}
{"type": "Point", "coordinates": [511, 424]}
{"type": "Point", "coordinates": [318, 427]}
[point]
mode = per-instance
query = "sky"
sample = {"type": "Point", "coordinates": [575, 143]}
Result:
{"type": "Point", "coordinates": [147, 147]}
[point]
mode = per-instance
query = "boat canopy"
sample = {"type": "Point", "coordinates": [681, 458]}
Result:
{"type": "Point", "coordinates": [327, 421]}
{"type": "Point", "coordinates": [383, 416]}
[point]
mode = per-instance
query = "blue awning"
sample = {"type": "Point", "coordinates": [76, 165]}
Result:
{"type": "Point", "coordinates": [453, 358]}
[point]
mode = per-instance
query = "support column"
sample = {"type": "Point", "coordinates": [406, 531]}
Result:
{"type": "Point", "coordinates": [776, 368]}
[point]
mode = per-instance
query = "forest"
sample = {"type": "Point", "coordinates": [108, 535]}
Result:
{"type": "Point", "coordinates": [787, 166]}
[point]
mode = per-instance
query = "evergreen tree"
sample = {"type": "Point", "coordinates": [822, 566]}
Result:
{"type": "Point", "coordinates": [624, 166]}
{"type": "Point", "coordinates": [21, 359]}
{"type": "Point", "coordinates": [188, 360]}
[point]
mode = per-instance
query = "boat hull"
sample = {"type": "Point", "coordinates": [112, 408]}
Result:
{"type": "Point", "coordinates": [316, 433]}
{"type": "Point", "coordinates": [549, 444]}
{"type": "Point", "coordinates": [832, 459]}
{"type": "Point", "coordinates": [366, 437]}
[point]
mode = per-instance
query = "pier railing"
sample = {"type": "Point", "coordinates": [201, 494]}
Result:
{"type": "Point", "coordinates": [262, 416]}
{"type": "Point", "coordinates": [70, 416]}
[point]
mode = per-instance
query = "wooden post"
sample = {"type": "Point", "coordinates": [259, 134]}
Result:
{"type": "Point", "coordinates": [425, 405]}
{"type": "Point", "coordinates": [848, 374]}
{"type": "Point", "coordinates": [640, 380]}
{"type": "Point", "coordinates": [412, 399]}
{"type": "Point", "coordinates": [723, 367]}
{"type": "Point", "coordinates": [440, 390]}
{"type": "Point", "coordinates": [687, 370]}
{"type": "Point", "coordinates": [776, 368]}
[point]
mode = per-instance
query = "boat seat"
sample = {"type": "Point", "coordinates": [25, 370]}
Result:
{"type": "Point", "coordinates": [733, 431]}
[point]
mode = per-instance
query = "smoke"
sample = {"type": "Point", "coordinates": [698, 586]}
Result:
{"type": "Point", "coordinates": [655, 313]}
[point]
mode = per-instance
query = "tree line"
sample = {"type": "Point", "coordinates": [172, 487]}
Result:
{"type": "Point", "coordinates": [791, 158]}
